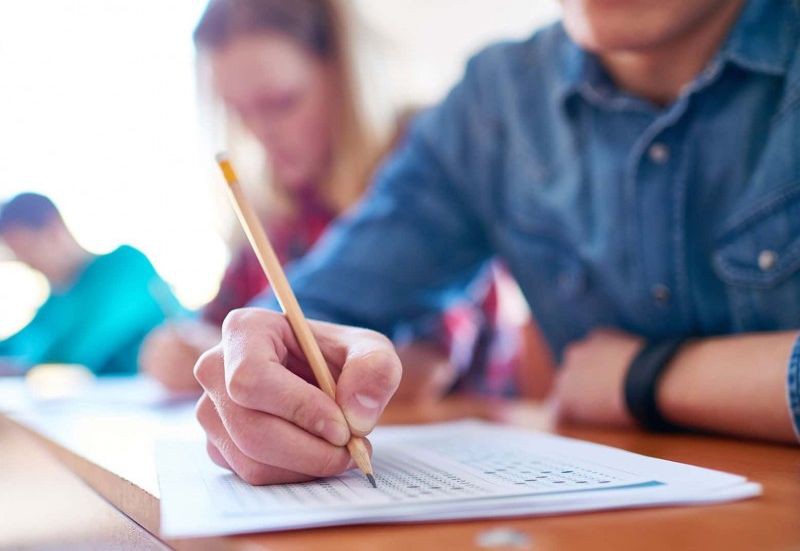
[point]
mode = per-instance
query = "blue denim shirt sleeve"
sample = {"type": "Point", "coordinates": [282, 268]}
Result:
{"type": "Point", "coordinates": [413, 244]}
{"type": "Point", "coordinates": [793, 387]}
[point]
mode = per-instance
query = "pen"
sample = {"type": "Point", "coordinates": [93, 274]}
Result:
{"type": "Point", "coordinates": [288, 301]}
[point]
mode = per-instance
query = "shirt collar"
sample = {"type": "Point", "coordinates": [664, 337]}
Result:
{"type": "Point", "coordinates": [764, 39]}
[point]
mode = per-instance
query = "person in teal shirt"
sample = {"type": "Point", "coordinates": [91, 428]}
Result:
{"type": "Point", "coordinates": [100, 306]}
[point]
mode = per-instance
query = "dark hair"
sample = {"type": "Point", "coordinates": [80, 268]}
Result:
{"type": "Point", "coordinates": [310, 22]}
{"type": "Point", "coordinates": [27, 210]}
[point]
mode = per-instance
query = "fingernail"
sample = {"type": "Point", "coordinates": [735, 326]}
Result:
{"type": "Point", "coordinates": [333, 431]}
{"type": "Point", "coordinates": [362, 414]}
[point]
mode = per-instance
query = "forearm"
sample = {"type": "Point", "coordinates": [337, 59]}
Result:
{"type": "Point", "coordinates": [734, 385]}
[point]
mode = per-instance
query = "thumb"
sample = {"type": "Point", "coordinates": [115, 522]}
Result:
{"type": "Point", "coordinates": [369, 377]}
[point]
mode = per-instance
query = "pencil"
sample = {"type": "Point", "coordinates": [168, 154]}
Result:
{"type": "Point", "coordinates": [288, 301]}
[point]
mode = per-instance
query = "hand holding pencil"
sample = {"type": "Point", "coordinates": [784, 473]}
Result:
{"type": "Point", "coordinates": [263, 417]}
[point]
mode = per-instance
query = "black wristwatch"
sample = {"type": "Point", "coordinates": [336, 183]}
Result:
{"type": "Point", "coordinates": [641, 383]}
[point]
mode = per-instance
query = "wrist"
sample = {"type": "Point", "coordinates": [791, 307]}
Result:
{"type": "Point", "coordinates": [673, 393]}
{"type": "Point", "coordinates": [643, 380]}
{"type": "Point", "coordinates": [732, 384]}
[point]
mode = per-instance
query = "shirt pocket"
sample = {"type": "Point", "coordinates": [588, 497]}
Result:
{"type": "Point", "coordinates": [757, 257]}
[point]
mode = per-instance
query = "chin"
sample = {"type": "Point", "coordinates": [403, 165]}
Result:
{"type": "Point", "coordinates": [616, 25]}
{"type": "Point", "coordinates": [606, 26]}
{"type": "Point", "coordinates": [608, 41]}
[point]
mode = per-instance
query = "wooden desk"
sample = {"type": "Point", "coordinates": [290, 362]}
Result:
{"type": "Point", "coordinates": [45, 506]}
{"type": "Point", "coordinates": [768, 522]}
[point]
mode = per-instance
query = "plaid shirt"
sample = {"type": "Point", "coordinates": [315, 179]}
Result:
{"type": "Point", "coordinates": [244, 279]}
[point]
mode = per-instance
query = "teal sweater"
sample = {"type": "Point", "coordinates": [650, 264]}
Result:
{"type": "Point", "coordinates": [99, 320]}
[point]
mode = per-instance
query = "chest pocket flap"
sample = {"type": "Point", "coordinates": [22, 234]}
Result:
{"type": "Point", "coordinates": [760, 248]}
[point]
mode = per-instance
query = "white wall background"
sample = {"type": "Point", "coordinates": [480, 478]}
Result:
{"type": "Point", "coordinates": [97, 110]}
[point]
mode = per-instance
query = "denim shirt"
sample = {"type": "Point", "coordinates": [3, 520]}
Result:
{"type": "Point", "coordinates": [608, 210]}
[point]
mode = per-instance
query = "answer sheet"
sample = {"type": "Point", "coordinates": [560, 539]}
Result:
{"type": "Point", "coordinates": [467, 469]}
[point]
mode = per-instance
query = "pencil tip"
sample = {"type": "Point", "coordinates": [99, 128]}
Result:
{"type": "Point", "coordinates": [371, 480]}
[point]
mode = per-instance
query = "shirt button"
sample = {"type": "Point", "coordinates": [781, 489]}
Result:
{"type": "Point", "coordinates": [660, 294]}
{"type": "Point", "coordinates": [767, 260]}
{"type": "Point", "coordinates": [659, 153]}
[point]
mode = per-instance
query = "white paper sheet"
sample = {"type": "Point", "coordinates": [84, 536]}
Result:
{"type": "Point", "coordinates": [467, 469]}
{"type": "Point", "coordinates": [103, 394]}
{"type": "Point", "coordinates": [112, 422]}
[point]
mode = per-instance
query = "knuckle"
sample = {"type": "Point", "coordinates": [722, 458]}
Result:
{"type": "Point", "coordinates": [215, 455]}
{"type": "Point", "coordinates": [248, 444]}
{"type": "Point", "coordinates": [228, 450]}
{"type": "Point", "coordinates": [239, 380]}
{"type": "Point", "coordinates": [235, 320]}
{"type": "Point", "coordinates": [255, 441]}
{"type": "Point", "coordinates": [206, 364]}
{"type": "Point", "coordinates": [203, 411]}
{"type": "Point", "coordinates": [247, 469]}
{"type": "Point", "coordinates": [243, 319]}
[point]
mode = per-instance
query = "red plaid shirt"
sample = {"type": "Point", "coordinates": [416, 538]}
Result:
{"type": "Point", "coordinates": [244, 279]}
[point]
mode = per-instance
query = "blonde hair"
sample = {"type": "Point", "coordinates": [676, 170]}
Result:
{"type": "Point", "coordinates": [323, 27]}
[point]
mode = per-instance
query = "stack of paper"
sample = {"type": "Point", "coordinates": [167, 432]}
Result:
{"type": "Point", "coordinates": [468, 469]}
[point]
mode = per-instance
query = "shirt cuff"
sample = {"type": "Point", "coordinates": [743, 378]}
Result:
{"type": "Point", "coordinates": [793, 387]}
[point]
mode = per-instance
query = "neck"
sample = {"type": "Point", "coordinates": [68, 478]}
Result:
{"type": "Point", "coordinates": [660, 73]}
{"type": "Point", "coordinates": [73, 258]}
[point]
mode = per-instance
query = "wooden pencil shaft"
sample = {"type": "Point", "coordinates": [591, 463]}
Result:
{"type": "Point", "coordinates": [283, 291]}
